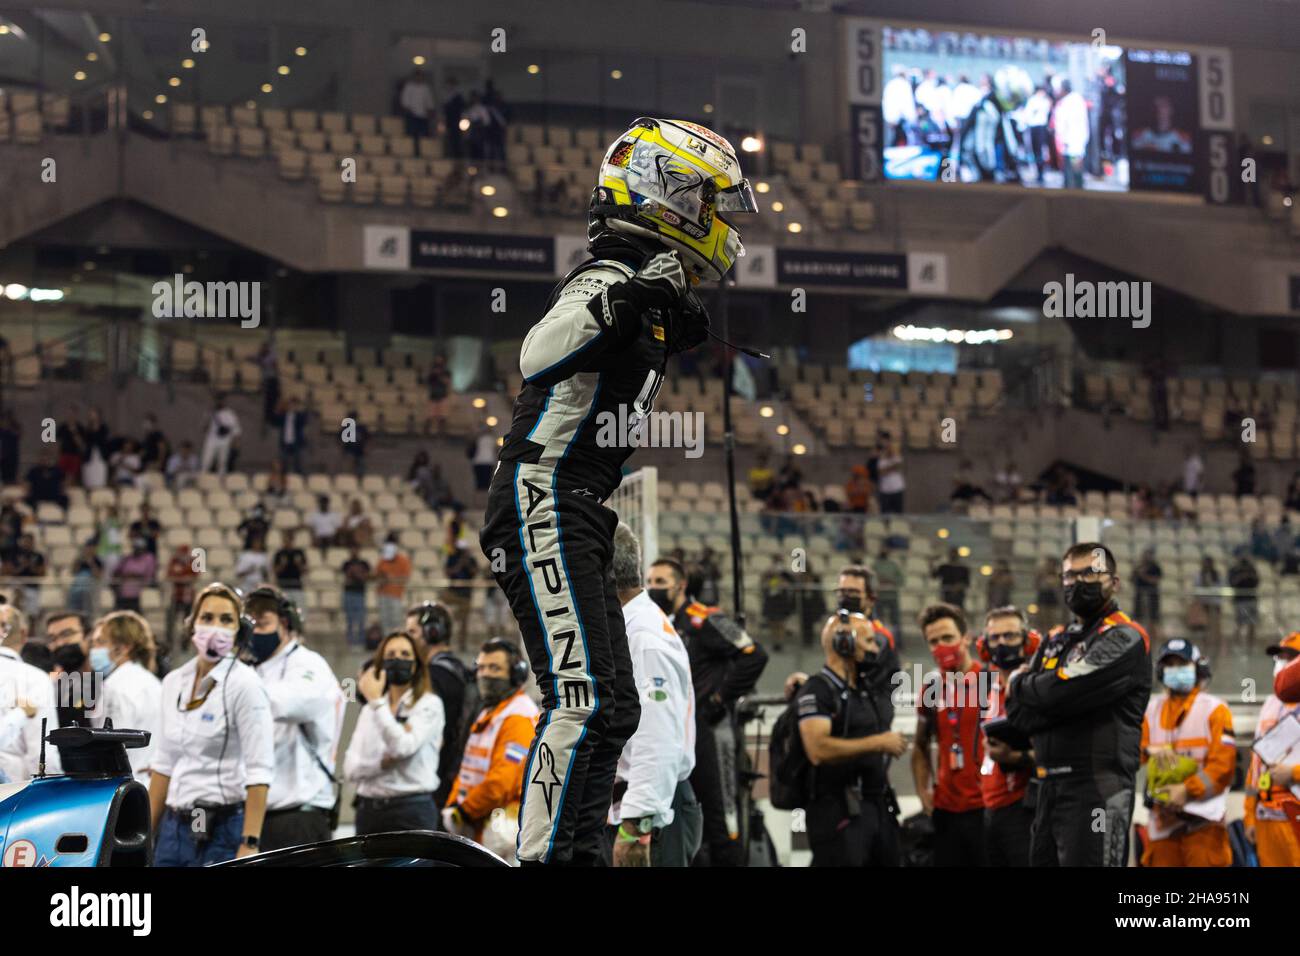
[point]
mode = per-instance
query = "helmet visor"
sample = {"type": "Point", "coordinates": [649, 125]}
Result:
{"type": "Point", "coordinates": [737, 198]}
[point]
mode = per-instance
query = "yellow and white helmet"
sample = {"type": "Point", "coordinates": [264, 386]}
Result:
{"type": "Point", "coordinates": [674, 181]}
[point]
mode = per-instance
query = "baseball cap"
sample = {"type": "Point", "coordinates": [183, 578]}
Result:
{"type": "Point", "coordinates": [1291, 643]}
{"type": "Point", "coordinates": [1178, 647]}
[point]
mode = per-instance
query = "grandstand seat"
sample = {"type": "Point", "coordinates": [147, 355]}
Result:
{"type": "Point", "coordinates": [252, 142]}
{"type": "Point", "coordinates": [293, 164]}
{"type": "Point", "coordinates": [393, 189]}
{"type": "Point", "coordinates": [184, 119]}
{"type": "Point", "coordinates": [342, 143]}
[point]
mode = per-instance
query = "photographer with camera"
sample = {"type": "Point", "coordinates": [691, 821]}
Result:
{"type": "Point", "coordinates": [851, 810]}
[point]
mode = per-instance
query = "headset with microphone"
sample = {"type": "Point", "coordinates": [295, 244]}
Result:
{"type": "Point", "coordinates": [518, 668]}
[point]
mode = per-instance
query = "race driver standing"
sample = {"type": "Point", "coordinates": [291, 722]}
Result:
{"type": "Point", "coordinates": [657, 224]}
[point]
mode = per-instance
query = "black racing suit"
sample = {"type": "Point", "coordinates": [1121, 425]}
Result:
{"type": "Point", "coordinates": [1082, 702]}
{"type": "Point", "coordinates": [546, 522]}
{"type": "Point", "coordinates": [725, 664]}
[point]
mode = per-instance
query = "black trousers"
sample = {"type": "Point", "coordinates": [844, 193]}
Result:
{"type": "Point", "coordinates": [714, 783]}
{"type": "Point", "coordinates": [558, 548]}
{"type": "Point", "coordinates": [1069, 831]}
{"type": "Point", "coordinates": [296, 827]}
{"type": "Point", "coordinates": [1006, 834]}
{"type": "Point", "coordinates": [869, 839]}
{"type": "Point", "coordinates": [415, 812]}
{"type": "Point", "coordinates": [959, 838]}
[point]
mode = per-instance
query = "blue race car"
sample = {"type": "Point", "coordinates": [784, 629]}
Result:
{"type": "Point", "coordinates": [93, 814]}
{"type": "Point", "coordinates": [96, 814]}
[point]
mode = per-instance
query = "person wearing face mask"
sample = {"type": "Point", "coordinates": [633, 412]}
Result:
{"type": "Point", "coordinates": [1008, 766]}
{"type": "Point", "coordinates": [307, 705]}
{"type": "Point", "coordinates": [392, 572]}
{"type": "Point", "coordinates": [393, 754]}
{"type": "Point", "coordinates": [122, 653]}
{"type": "Point", "coordinates": [725, 663]}
{"type": "Point", "coordinates": [214, 759]}
{"type": "Point", "coordinates": [856, 592]}
{"type": "Point", "coordinates": [1190, 750]}
{"type": "Point", "coordinates": [949, 715]}
{"type": "Point", "coordinates": [850, 812]}
{"type": "Point", "coordinates": [1272, 791]}
{"type": "Point", "coordinates": [74, 686]}
{"type": "Point", "coordinates": [1081, 699]}
{"type": "Point", "coordinates": [484, 802]}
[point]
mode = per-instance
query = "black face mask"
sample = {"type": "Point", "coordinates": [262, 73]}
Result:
{"type": "Point", "coordinates": [70, 657]}
{"type": "Point", "coordinates": [1007, 657]}
{"type": "Point", "coordinates": [1085, 599]}
{"type": "Point", "coordinates": [869, 665]}
{"type": "Point", "coordinates": [263, 644]}
{"type": "Point", "coordinates": [493, 689]}
{"type": "Point", "coordinates": [850, 602]}
{"type": "Point", "coordinates": [398, 671]}
{"type": "Point", "coordinates": [372, 643]}
{"type": "Point", "coordinates": [661, 597]}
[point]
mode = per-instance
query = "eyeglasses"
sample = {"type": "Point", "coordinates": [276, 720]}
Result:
{"type": "Point", "coordinates": [1087, 577]}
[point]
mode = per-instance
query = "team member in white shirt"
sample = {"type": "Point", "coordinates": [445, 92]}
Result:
{"type": "Point", "coordinates": [26, 698]}
{"type": "Point", "coordinates": [307, 704]}
{"type": "Point", "coordinates": [214, 759]}
{"type": "Point", "coordinates": [393, 754]}
{"type": "Point", "coordinates": [122, 654]}
{"type": "Point", "coordinates": [659, 822]}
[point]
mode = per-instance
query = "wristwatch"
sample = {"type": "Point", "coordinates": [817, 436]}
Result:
{"type": "Point", "coordinates": [636, 830]}
{"type": "Point", "coordinates": [250, 841]}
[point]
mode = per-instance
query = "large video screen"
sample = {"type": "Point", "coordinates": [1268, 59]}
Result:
{"type": "Point", "coordinates": [970, 107]}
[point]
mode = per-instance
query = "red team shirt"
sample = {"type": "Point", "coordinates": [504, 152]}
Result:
{"type": "Point", "coordinates": [957, 719]}
{"type": "Point", "coordinates": [1000, 789]}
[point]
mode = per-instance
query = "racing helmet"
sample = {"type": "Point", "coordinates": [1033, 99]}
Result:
{"type": "Point", "coordinates": [675, 182]}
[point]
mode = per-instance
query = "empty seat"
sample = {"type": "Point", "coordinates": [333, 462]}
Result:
{"type": "Point", "coordinates": [252, 143]}
{"type": "Point", "coordinates": [273, 119]}
{"type": "Point", "coordinates": [393, 190]}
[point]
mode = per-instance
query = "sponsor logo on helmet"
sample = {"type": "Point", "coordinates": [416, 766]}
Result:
{"type": "Point", "coordinates": [622, 153]}
{"type": "Point", "coordinates": [696, 145]}
{"type": "Point", "coordinates": [671, 217]}
{"type": "Point", "coordinates": [683, 177]}
{"type": "Point", "coordinates": [705, 133]}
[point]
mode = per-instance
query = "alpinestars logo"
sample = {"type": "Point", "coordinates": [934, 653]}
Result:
{"type": "Point", "coordinates": [546, 778]}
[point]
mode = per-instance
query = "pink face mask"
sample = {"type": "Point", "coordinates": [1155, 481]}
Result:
{"type": "Point", "coordinates": [213, 643]}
